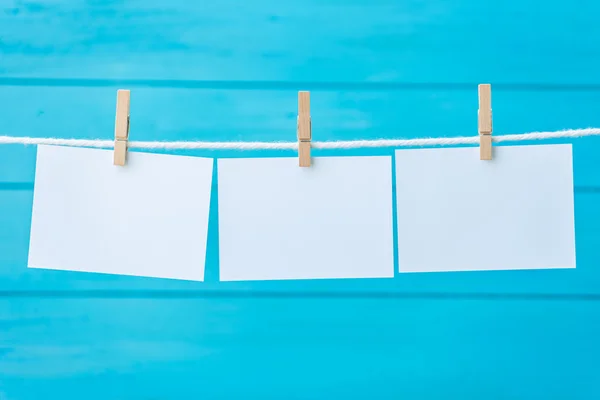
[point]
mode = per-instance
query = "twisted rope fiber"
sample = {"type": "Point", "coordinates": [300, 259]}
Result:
{"type": "Point", "coordinates": [351, 144]}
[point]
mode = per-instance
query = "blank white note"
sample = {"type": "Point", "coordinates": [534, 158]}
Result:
{"type": "Point", "coordinates": [278, 221]}
{"type": "Point", "coordinates": [148, 218]}
{"type": "Point", "coordinates": [459, 213]}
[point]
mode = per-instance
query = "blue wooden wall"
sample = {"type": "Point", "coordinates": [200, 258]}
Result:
{"type": "Point", "coordinates": [230, 70]}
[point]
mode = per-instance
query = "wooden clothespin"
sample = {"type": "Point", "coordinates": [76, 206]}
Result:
{"type": "Point", "coordinates": [304, 129]}
{"type": "Point", "coordinates": [121, 127]}
{"type": "Point", "coordinates": [485, 121]}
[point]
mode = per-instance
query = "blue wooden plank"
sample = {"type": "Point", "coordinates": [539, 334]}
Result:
{"type": "Point", "coordinates": [308, 349]}
{"type": "Point", "coordinates": [530, 41]}
{"type": "Point", "coordinates": [270, 115]}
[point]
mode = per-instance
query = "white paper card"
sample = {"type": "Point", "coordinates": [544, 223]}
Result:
{"type": "Point", "coordinates": [147, 218]}
{"type": "Point", "coordinates": [459, 213]}
{"type": "Point", "coordinates": [278, 221]}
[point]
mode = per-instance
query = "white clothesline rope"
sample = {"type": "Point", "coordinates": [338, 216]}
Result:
{"type": "Point", "coordinates": [350, 144]}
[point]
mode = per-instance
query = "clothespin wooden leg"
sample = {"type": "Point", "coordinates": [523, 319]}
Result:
{"type": "Point", "coordinates": [121, 127]}
{"type": "Point", "coordinates": [304, 129]}
{"type": "Point", "coordinates": [485, 122]}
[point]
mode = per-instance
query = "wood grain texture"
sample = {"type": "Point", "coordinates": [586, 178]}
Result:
{"type": "Point", "coordinates": [189, 348]}
{"type": "Point", "coordinates": [122, 114]}
{"type": "Point", "coordinates": [484, 114]}
{"type": "Point", "coordinates": [231, 70]}
{"type": "Point", "coordinates": [485, 109]}
{"type": "Point", "coordinates": [271, 115]}
{"type": "Point", "coordinates": [122, 127]}
{"type": "Point", "coordinates": [304, 129]}
{"type": "Point", "coordinates": [304, 153]}
{"type": "Point", "coordinates": [120, 153]}
{"type": "Point", "coordinates": [385, 41]}
{"type": "Point", "coordinates": [485, 147]}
